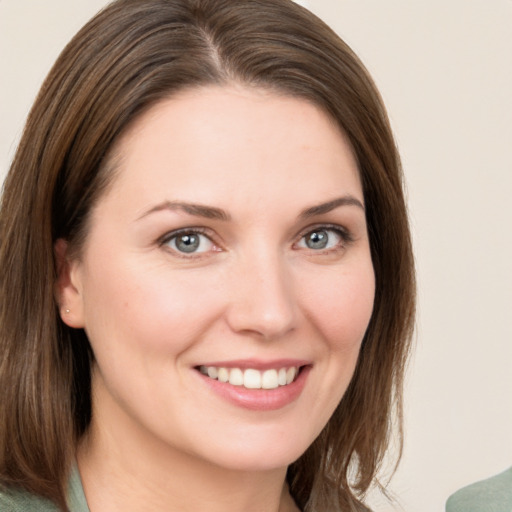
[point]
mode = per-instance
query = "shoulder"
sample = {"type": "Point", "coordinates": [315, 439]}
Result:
{"type": "Point", "coordinates": [491, 495]}
{"type": "Point", "coordinates": [17, 500]}
{"type": "Point", "coordinates": [21, 501]}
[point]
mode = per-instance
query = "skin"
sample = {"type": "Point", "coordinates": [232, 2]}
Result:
{"type": "Point", "coordinates": [160, 438]}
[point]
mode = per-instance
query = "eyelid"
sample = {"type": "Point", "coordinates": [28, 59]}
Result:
{"type": "Point", "coordinates": [345, 239]}
{"type": "Point", "coordinates": [167, 237]}
{"type": "Point", "coordinates": [345, 233]}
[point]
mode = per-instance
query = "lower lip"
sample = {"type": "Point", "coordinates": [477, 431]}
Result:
{"type": "Point", "coordinates": [259, 399]}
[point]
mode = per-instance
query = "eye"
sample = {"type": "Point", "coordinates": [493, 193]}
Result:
{"type": "Point", "coordinates": [322, 239]}
{"type": "Point", "coordinates": [188, 242]}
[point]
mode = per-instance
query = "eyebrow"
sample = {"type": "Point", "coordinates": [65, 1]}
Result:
{"type": "Point", "coordinates": [211, 212]}
{"type": "Point", "coordinates": [198, 210]}
{"type": "Point", "coordinates": [323, 208]}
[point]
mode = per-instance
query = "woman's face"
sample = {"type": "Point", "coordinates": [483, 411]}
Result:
{"type": "Point", "coordinates": [232, 245]}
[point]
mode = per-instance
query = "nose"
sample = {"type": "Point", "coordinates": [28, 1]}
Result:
{"type": "Point", "coordinates": [263, 300]}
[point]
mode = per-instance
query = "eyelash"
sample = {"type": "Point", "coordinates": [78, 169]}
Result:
{"type": "Point", "coordinates": [343, 233]}
{"type": "Point", "coordinates": [168, 237]}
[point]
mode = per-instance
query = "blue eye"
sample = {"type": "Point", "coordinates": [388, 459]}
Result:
{"type": "Point", "coordinates": [189, 242]}
{"type": "Point", "coordinates": [321, 239]}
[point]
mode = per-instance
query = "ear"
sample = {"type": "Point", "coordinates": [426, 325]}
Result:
{"type": "Point", "coordinates": [68, 289]}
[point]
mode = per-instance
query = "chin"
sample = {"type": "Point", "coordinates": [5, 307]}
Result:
{"type": "Point", "coordinates": [258, 455]}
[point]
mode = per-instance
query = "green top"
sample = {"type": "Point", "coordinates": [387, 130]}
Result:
{"type": "Point", "coordinates": [22, 501]}
{"type": "Point", "coordinates": [491, 495]}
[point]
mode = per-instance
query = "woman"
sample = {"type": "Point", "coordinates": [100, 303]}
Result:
{"type": "Point", "coordinates": [207, 281]}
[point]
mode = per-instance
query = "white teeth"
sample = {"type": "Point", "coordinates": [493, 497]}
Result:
{"type": "Point", "coordinates": [290, 375]}
{"type": "Point", "coordinates": [251, 378]}
{"type": "Point", "coordinates": [236, 377]}
{"type": "Point", "coordinates": [223, 375]}
{"type": "Point", "coordinates": [269, 379]}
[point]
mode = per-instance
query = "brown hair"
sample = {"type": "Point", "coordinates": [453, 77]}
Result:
{"type": "Point", "coordinates": [133, 54]}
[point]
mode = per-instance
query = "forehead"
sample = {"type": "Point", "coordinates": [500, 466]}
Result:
{"type": "Point", "coordinates": [235, 141]}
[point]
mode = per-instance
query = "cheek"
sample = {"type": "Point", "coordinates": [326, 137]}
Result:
{"type": "Point", "coordinates": [341, 304]}
{"type": "Point", "coordinates": [145, 307]}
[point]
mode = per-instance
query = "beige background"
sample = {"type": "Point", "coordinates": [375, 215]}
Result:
{"type": "Point", "coordinates": [444, 68]}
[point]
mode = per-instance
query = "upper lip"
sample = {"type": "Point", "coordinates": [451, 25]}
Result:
{"type": "Point", "coordinates": [257, 364]}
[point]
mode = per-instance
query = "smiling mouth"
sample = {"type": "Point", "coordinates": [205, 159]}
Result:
{"type": "Point", "coordinates": [251, 378]}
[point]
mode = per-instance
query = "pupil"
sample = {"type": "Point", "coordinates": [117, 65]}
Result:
{"type": "Point", "coordinates": [317, 240]}
{"type": "Point", "coordinates": [187, 243]}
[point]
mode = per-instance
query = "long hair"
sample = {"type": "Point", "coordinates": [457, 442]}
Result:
{"type": "Point", "coordinates": [133, 54]}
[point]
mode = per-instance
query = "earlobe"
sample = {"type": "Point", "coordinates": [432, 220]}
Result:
{"type": "Point", "coordinates": [68, 292]}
